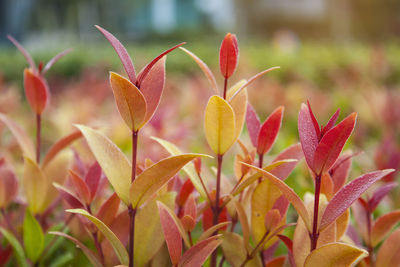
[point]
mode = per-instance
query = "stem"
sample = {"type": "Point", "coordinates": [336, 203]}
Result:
{"type": "Point", "coordinates": [260, 164]}
{"type": "Point", "coordinates": [216, 209]}
{"type": "Point", "coordinates": [253, 252]}
{"type": "Point", "coordinates": [38, 136]}
{"type": "Point", "coordinates": [205, 189]}
{"type": "Point", "coordinates": [315, 234]}
{"type": "Point", "coordinates": [370, 247]}
{"type": "Point", "coordinates": [98, 247]}
{"type": "Point", "coordinates": [131, 210]}
{"type": "Point", "coordinates": [225, 86]}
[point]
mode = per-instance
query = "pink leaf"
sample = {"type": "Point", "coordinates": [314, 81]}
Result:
{"type": "Point", "coordinates": [343, 199]}
{"type": "Point", "coordinates": [172, 235]}
{"type": "Point", "coordinates": [379, 194]}
{"type": "Point", "coordinates": [331, 144]}
{"type": "Point", "coordinates": [54, 60]}
{"type": "Point", "coordinates": [122, 53]}
{"type": "Point", "coordinates": [146, 70]}
{"type": "Point", "coordinates": [109, 209]}
{"type": "Point", "coordinates": [308, 135]}
{"type": "Point", "coordinates": [69, 197]}
{"type": "Point", "coordinates": [80, 187]}
{"type": "Point", "coordinates": [228, 55]}
{"type": "Point", "coordinates": [197, 255]}
{"type": "Point", "coordinates": [292, 152]}
{"type": "Point", "coordinates": [92, 179]}
{"type": "Point", "coordinates": [24, 53]}
{"type": "Point", "coordinates": [253, 124]}
{"type": "Point", "coordinates": [269, 131]}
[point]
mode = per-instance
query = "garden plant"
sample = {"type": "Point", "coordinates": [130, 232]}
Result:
{"type": "Point", "coordinates": [228, 205]}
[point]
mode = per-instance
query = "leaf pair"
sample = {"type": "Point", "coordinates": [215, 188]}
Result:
{"type": "Point", "coordinates": [322, 146]}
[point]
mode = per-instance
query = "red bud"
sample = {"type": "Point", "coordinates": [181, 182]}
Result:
{"type": "Point", "coordinates": [228, 55]}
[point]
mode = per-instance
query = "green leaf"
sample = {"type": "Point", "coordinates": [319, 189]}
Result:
{"type": "Point", "coordinates": [33, 237]}
{"type": "Point", "coordinates": [17, 248]}
{"type": "Point", "coordinates": [111, 237]}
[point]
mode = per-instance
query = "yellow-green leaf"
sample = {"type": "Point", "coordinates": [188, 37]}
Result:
{"type": "Point", "coordinates": [130, 101]}
{"type": "Point", "coordinates": [335, 254]}
{"type": "Point", "coordinates": [153, 178]}
{"type": "Point", "coordinates": [111, 237]}
{"type": "Point", "coordinates": [239, 105]}
{"type": "Point", "coordinates": [111, 159]}
{"type": "Point", "coordinates": [219, 125]}
{"type": "Point", "coordinates": [33, 237]}
{"type": "Point", "coordinates": [35, 185]}
{"type": "Point", "coordinates": [17, 248]}
{"type": "Point", "coordinates": [188, 168]}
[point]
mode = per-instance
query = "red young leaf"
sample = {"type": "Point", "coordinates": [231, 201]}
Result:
{"type": "Point", "coordinates": [186, 190]}
{"type": "Point", "coordinates": [23, 52]}
{"type": "Point", "coordinates": [343, 199]}
{"type": "Point", "coordinates": [69, 197]}
{"type": "Point", "coordinates": [292, 152]}
{"type": "Point", "coordinates": [208, 217]}
{"type": "Point", "coordinates": [109, 209]}
{"type": "Point", "coordinates": [308, 135]}
{"type": "Point", "coordinates": [228, 55]}
{"type": "Point", "coordinates": [379, 194]}
{"type": "Point", "coordinates": [196, 255]}
{"type": "Point", "coordinates": [331, 144]}
{"type": "Point", "coordinates": [282, 205]}
{"type": "Point", "coordinates": [54, 60]}
{"type": "Point", "coordinates": [340, 171]}
{"type": "Point", "coordinates": [269, 131]}
{"type": "Point", "coordinates": [197, 165]}
{"type": "Point", "coordinates": [146, 70]}
{"type": "Point", "coordinates": [172, 235]}
{"type": "Point", "coordinates": [122, 53]}
{"type": "Point", "coordinates": [153, 86]}
{"type": "Point", "coordinates": [253, 124]}
{"type": "Point", "coordinates": [191, 207]}
{"type": "Point", "coordinates": [36, 91]}
{"type": "Point", "coordinates": [80, 187]}
{"type": "Point", "coordinates": [331, 122]}
{"type": "Point", "coordinates": [314, 120]}
{"type": "Point", "coordinates": [92, 179]}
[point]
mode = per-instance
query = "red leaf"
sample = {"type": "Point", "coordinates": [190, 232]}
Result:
{"type": "Point", "coordinates": [228, 55]}
{"type": "Point", "coordinates": [331, 122]}
{"type": "Point", "coordinates": [54, 60]}
{"type": "Point", "coordinates": [208, 217]}
{"type": "Point", "coordinates": [122, 53]}
{"type": "Point", "coordinates": [331, 144]}
{"type": "Point", "coordinates": [379, 194]}
{"type": "Point", "coordinates": [292, 152]}
{"type": "Point", "coordinates": [69, 197]}
{"type": "Point", "coordinates": [191, 207]}
{"type": "Point", "coordinates": [172, 235]}
{"type": "Point", "coordinates": [36, 91]}
{"type": "Point", "coordinates": [308, 135]}
{"type": "Point", "coordinates": [152, 87]}
{"type": "Point", "coordinates": [253, 124]}
{"type": "Point", "coordinates": [23, 52]}
{"type": "Point", "coordinates": [92, 179]}
{"type": "Point", "coordinates": [276, 262]}
{"type": "Point", "coordinates": [8, 185]}
{"type": "Point", "coordinates": [109, 209]}
{"type": "Point", "coordinates": [80, 187]}
{"type": "Point", "coordinates": [269, 131]}
{"type": "Point", "coordinates": [196, 255]}
{"type": "Point", "coordinates": [343, 199]}
{"type": "Point", "coordinates": [186, 190]}
{"type": "Point", "coordinates": [314, 120]}
{"type": "Point", "coordinates": [146, 70]}
{"type": "Point", "coordinates": [340, 171]}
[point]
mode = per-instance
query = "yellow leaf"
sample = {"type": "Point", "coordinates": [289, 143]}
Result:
{"type": "Point", "coordinates": [130, 101]}
{"type": "Point", "coordinates": [114, 163]}
{"type": "Point", "coordinates": [35, 185]}
{"type": "Point", "coordinates": [341, 224]}
{"type": "Point", "coordinates": [244, 222]}
{"type": "Point", "coordinates": [335, 254]}
{"type": "Point", "coordinates": [239, 105]}
{"type": "Point", "coordinates": [153, 178]}
{"type": "Point", "coordinates": [219, 125]}
{"type": "Point", "coordinates": [389, 252]}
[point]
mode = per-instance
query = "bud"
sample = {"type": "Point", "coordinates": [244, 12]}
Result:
{"type": "Point", "coordinates": [36, 91]}
{"type": "Point", "coordinates": [228, 55]}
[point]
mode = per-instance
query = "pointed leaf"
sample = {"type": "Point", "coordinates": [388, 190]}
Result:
{"type": "Point", "coordinates": [314, 120]}
{"type": "Point", "coordinates": [59, 146]}
{"type": "Point", "coordinates": [35, 185]}
{"type": "Point", "coordinates": [228, 55]}
{"type": "Point", "coordinates": [335, 254]}
{"type": "Point", "coordinates": [203, 66]}
{"type": "Point", "coordinates": [239, 106]}
{"type": "Point", "coordinates": [114, 163]}
{"type": "Point", "coordinates": [210, 231]}
{"type": "Point", "coordinates": [17, 248]}
{"type": "Point", "coordinates": [172, 234]}
{"type": "Point", "coordinates": [308, 135]}
{"type": "Point", "coordinates": [25, 53]}
{"type": "Point", "coordinates": [244, 222]}
{"type": "Point", "coordinates": [153, 178]}
{"type": "Point", "coordinates": [331, 123]}
{"type": "Point", "coordinates": [383, 225]}
{"type": "Point", "coordinates": [130, 101]}
{"type": "Point", "coordinates": [269, 131]}
{"type": "Point", "coordinates": [109, 210]}
{"type": "Point", "coordinates": [80, 187]}
{"type": "Point", "coordinates": [331, 144]}
{"type": "Point", "coordinates": [33, 237]}
{"type": "Point", "coordinates": [379, 194]}
{"type": "Point", "coordinates": [219, 125]}
{"type": "Point", "coordinates": [69, 197]}
{"type": "Point", "coordinates": [197, 255]}
{"type": "Point", "coordinates": [340, 171]}
{"type": "Point", "coordinates": [288, 192]}
{"type": "Point", "coordinates": [293, 152]}
{"type": "Point", "coordinates": [253, 124]}
{"type": "Point", "coordinates": [343, 199]}
{"type": "Point", "coordinates": [389, 253]}
{"type": "Point", "coordinates": [54, 60]}
{"type": "Point", "coordinates": [20, 135]}
{"type": "Point", "coordinates": [92, 179]}
{"type": "Point", "coordinates": [112, 238]}
{"type": "Point", "coordinates": [36, 91]}
{"type": "Point", "coordinates": [89, 254]}
{"type": "Point", "coordinates": [122, 53]}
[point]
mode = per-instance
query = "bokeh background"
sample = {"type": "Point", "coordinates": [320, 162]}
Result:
{"type": "Point", "coordinates": [335, 53]}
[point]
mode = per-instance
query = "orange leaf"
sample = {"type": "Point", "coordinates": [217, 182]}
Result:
{"type": "Point", "coordinates": [36, 91]}
{"type": "Point", "coordinates": [383, 225]}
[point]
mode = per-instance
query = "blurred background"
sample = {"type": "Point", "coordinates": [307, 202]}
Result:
{"type": "Point", "coordinates": [336, 53]}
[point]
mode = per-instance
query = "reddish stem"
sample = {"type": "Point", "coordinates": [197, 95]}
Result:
{"type": "Point", "coordinates": [38, 136]}
{"type": "Point", "coordinates": [131, 210]}
{"type": "Point", "coordinates": [216, 209]}
{"type": "Point", "coordinates": [314, 236]}
{"type": "Point", "coordinates": [260, 164]}
{"type": "Point", "coordinates": [370, 247]}
{"type": "Point", "coordinates": [225, 86]}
